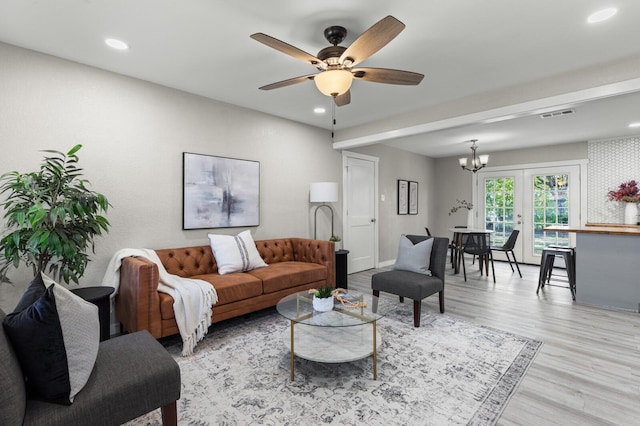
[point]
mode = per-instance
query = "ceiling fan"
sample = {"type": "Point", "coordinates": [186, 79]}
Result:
{"type": "Point", "coordinates": [336, 63]}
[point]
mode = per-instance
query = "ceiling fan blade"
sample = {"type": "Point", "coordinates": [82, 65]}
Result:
{"type": "Point", "coordinates": [344, 99]}
{"type": "Point", "coordinates": [288, 49]}
{"type": "Point", "coordinates": [372, 40]}
{"type": "Point", "coordinates": [388, 76]}
{"type": "Point", "coordinates": [289, 82]}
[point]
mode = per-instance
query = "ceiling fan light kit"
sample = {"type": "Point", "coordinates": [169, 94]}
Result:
{"type": "Point", "coordinates": [477, 161]}
{"type": "Point", "coordinates": [335, 63]}
{"type": "Point", "coordinates": [333, 82]}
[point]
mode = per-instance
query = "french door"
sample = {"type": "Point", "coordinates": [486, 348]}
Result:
{"type": "Point", "coordinates": [529, 199]}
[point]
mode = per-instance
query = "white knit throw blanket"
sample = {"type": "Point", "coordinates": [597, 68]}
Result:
{"type": "Point", "coordinates": [192, 299]}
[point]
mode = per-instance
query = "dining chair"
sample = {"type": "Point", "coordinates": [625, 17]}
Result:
{"type": "Point", "coordinates": [508, 248]}
{"type": "Point", "coordinates": [478, 244]}
{"type": "Point", "coordinates": [455, 244]}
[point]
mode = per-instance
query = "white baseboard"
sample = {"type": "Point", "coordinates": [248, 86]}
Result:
{"type": "Point", "coordinates": [386, 263]}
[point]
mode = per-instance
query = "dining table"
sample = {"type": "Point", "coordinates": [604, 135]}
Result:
{"type": "Point", "coordinates": [457, 241]}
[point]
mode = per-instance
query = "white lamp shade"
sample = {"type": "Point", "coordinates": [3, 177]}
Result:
{"type": "Point", "coordinates": [463, 162]}
{"type": "Point", "coordinates": [323, 192]}
{"type": "Point", "coordinates": [484, 159]}
{"type": "Point", "coordinates": [333, 82]}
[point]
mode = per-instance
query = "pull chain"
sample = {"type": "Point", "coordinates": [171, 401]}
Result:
{"type": "Point", "coordinates": [333, 118]}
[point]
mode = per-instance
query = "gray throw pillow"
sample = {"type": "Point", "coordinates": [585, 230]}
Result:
{"type": "Point", "coordinates": [414, 258]}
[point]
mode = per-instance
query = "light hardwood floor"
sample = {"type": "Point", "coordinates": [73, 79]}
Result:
{"type": "Point", "coordinates": [588, 369]}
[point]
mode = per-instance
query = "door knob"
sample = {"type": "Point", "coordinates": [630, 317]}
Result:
{"type": "Point", "coordinates": [373, 220]}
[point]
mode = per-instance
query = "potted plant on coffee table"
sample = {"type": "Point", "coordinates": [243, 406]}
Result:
{"type": "Point", "coordinates": [51, 218]}
{"type": "Point", "coordinates": [322, 298]}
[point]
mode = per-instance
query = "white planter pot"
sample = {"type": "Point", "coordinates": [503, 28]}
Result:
{"type": "Point", "coordinates": [323, 305]}
{"type": "Point", "coordinates": [630, 213]}
{"type": "Point", "coordinates": [470, 219]}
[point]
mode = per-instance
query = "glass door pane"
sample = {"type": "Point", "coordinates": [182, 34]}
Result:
{"type": "Point", "coordinates": [498, 207]}
{"type": "Point", "coordinates": [552, 197]}
{"type": "Point", "coordinates": [551, 206]}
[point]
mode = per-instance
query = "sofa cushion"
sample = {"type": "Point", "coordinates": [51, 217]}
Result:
{"type": "Point", "coordinates": [414, 257]}
{"type": "Point", "coordinates": [13, 396]}
{"type": "Point", "coordinates": [235, 254]}
{"type": "Point", "coordinates": [56, 340]}
{"type": "Point", "coordinates": [282, 275]}
{"type": "Point", "coordinates": [233, 287]}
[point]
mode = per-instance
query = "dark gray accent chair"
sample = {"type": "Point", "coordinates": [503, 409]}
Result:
{"type": "Point", "coordinates": [414, 285]}
{"type": "Point", "coordinates": [133, 375]}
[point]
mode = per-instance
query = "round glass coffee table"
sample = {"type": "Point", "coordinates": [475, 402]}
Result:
{"type": "Point", "coordinates": [343, 334]}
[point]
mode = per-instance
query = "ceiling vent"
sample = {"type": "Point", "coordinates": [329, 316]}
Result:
{"type": "Point", "coordinates": [557, 113]}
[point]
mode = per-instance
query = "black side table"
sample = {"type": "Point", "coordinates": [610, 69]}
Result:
{"type": "Point", "coordinates": [99, 296]}
{"type": "Point", "coordinates": [341, 269]}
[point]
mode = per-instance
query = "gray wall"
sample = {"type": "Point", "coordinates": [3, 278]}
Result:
{"type": "Point", "coordinates": [395, 164]}
{"type": "Point", "coordinates": [454, 183]}
{"type": "Point", "coordinates": [134, 133]}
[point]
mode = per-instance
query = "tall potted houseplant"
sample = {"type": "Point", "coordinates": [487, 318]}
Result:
{"type": "Point", "coordinates": [51, 218]}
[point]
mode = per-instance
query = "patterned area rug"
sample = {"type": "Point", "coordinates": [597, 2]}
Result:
{"type": "Point", "coordinates": [445, 372]}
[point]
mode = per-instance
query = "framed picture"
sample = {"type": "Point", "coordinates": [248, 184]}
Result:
{"type": "Point", "coordinates": [219, 192]}
{"type": "Point", "coordinates": [413, 197]}
{"type": "Point", "coordinates": [403, 196]}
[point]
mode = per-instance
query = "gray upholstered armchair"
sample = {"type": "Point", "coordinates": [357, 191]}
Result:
{"type": "Point", "coordinates": [133, 374]}
{"type": "Point", "coordinates": [414, 285]}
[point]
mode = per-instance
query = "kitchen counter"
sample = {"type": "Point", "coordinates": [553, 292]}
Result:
{"type": "Point", "coordinates": [599, 228]}
{"type": "Point", "coordinates": [606, 265]}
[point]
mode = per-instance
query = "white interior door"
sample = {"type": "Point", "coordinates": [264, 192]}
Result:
{"type": "Point", "coordinates": [360, 211]}
{"type": "Point", "coordinates": [529, 199]}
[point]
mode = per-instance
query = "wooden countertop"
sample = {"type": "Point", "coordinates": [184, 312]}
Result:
{"type": "Point", "coordinates": [598, 228]}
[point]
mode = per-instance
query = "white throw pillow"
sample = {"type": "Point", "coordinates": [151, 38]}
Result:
{"type": "Point", "coordinates": [414, 258]}
{"type": "Point", "coordinates": [235, 254]}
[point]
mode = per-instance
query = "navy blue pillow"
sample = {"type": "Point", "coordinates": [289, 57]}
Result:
{"type": "Point", "coordinates": [33, 292]}
{"type": "Point", "coordinates": [56, 341]}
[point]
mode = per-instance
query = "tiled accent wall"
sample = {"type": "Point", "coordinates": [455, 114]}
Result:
{"type": "Point", "coordinates": [611, 162]}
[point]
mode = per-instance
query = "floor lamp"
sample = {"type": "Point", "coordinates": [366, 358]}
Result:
{"type": "Point", "coordinates": [323, 192]}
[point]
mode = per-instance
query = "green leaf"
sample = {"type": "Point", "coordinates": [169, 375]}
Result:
{"type": "Point", "coordinates": [74, 150]}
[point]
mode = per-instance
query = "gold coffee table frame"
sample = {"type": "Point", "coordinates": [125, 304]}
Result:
{"type": "Point", "coordinates": [298, 309]}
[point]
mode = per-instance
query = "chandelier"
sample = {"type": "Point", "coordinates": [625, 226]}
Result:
{"type": "Point", "coordinates": [477, 161]}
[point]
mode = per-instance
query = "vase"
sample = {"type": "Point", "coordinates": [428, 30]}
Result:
{"type": "Point", "coordinates": [323, 304]}
{"type": "Point", "coordinates": [470, 219]}
{"type": "Point", "coordinates": [630, 213]}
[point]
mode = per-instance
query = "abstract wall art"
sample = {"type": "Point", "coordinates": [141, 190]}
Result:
{"type": "Point", "coordinates": [220, 192]}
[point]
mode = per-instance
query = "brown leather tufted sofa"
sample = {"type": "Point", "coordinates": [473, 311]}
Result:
{"type": "Point", "coordinates": [295, 264]}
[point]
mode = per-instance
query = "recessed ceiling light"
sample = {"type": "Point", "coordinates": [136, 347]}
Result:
{"type": "Point", "coordinates": [602, 15]}
{"type": "Point", "coordinates": [116, 44]}
{"type": "Point", "coordinates": [319, 110]}
{"type": "Point", "coordinates": [637, 124]}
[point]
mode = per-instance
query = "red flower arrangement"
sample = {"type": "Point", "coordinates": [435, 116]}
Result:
{"type": "Point", "coordinates": [627, 192]}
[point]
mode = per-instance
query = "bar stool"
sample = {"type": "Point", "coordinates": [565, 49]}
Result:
{"type": "Point", "coordinates": [546, 266]}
